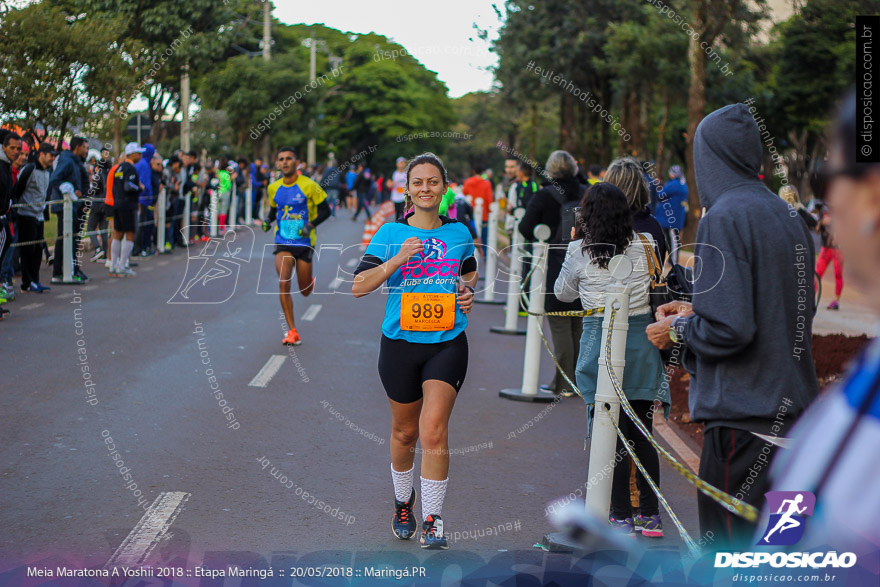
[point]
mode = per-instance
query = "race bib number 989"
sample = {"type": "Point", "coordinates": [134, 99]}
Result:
{"type": "Point", "coordinates": [427, 311]}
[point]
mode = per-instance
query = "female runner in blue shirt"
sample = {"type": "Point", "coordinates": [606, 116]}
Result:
{"type": "Point", "coordinates": [427, 263]}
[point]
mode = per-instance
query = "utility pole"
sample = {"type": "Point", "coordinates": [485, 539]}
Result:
{"type": "Point", "coordinates": [313, 46]}
{"type": "Point", "coordinates": [267, 56]}
{"type": "Point", "coordinates": [184, 108]}
{"type": "Point", "coordinates": [267, 30]}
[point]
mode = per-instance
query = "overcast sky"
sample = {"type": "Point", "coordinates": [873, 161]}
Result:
{"type": "Point", "coordinates": [440, 35]}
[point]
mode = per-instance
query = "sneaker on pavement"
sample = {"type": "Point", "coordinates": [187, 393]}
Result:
{"type": "Point", "coordinates": [3, 312]}
{"type": "Point", "coordinates": [292, 338]}
{"type": "Point", "coordinates": [41, 287]}
{"type": "Point", "coordinates": [649, 526]}
{"type": "Point", "coordinates": [57, 279]}
{"type": "Point", "coordinates": [31, 288]}
{"type": "Point", "coordinates": [625, 526]}
{"type": "Point", "coordinates": [432, 537]}
{"type": "Point", "coordinates": [99, 254]}
{"type": "Point", "coordinates": [834, 305]}
{"type": "Point", "coordinates": [107, 263]}
{"type": "Point", "coordinates": [404, 523]}
{"type": "Point", "coordinates": [128, 272]}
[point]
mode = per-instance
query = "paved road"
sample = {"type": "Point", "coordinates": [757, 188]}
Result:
{"type": "Point", "coordinates": [321, 421]}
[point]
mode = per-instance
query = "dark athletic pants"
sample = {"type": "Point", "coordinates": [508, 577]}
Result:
{"type": "Point", "coordinates": [30, 229]}
{"type": "Point", "coordinates": [621, 506]}
{"type": "Point", "coordinates": [729, 461]}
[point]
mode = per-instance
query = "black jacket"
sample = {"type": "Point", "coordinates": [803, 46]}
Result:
{"type": "Point", "coordinates": [5, 183]}
{"type": "Point", "coordinates": [544, 209]}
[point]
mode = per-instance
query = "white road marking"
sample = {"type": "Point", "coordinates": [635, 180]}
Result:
{"type": "Point", "coordinates": [351, 263]}
{"type": "Point", "coordinates": [90, 287]}
{"type": "Point", "coordinates": [268, 371]}
{"type": "Point", "coordinates": [65, 295]}
{"type": "Point", "coordinates": [151, 528]}
{"type": "Point", "coordinates": [311, 312]}
{"type": "Point", "coordinates": [160, 263]}
{"type": "Point", "coordinates": [335, 283]}
{"type": "Point", "coordinates": [148, 268]}
{"type": "Point", "coordinates": [677, 444]}
{"type": "Point", "coordinates": [32, 306]}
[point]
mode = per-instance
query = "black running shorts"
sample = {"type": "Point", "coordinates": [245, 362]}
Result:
{"type": "Point", "coordinates": [404, 366]}
{"type": "Point", "coordinates": [302, 253]}
{"type": "Point", "coordinates": [125, 216]}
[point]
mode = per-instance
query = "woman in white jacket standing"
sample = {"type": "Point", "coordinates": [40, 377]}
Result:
{"type": "Point", "coordinates": [605, 230]}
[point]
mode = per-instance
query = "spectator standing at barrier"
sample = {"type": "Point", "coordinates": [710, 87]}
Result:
{"type": "Point", "coordinates": [30, 192]}
{"type": "Point", "coordinates": [156, 181]}
{"type": "Point", "coordinates": [747, 333]}
{"type": "Point", "coordinates": [241, 182]}
{"type": "Point", "coordinates": [671, 210]}
{"type": "Point", "coordinates": [833, 452]}
{"type": "Point", "coordinates": [9, 152]}
{"type": "Point", "coordinates": [175, 181]}
{"type": "Point", "coordinates": [225, 177]}
{"type": "Point", "coordinates": [606, 230]}
{"type": "Point", "coordinates": [546, 207]}
{"type": "Point", "coordinates": [69, 169]}
{"type": "Point", "coordinates": [628, 176]}
{"type": "Point", "coordinates": [7, 289]}
{"type": "Point", "coordinates": [98, 215]}
{"type": "Point", "coordinates": [480, 188]}
{"type": "Point", "coordinates": [145, 201]}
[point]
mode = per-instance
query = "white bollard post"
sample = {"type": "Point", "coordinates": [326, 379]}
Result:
{"type": "Point", "coordinates": [478, 216]}
{"type": "Point", "coordinates": [511, 311]}
{"type": "Point", "coordinates": [532, 362]}
{"type": "Point", "coordinates": [491, 257]}
{"type": "Point", "coordinates": [604, 437]}
{"type": "Point", "coordinates": [67, 228]}
{"type": "Point", "coordinates": [215, 203]}
{"type": "Point", "coordinates": [249, 205]}
{"type": "Point", "coordinates": [160, 221]}
{"type": "Point", "coordinates": [233, 208]}
{"type": "Point", "coordinates": [187, 217]}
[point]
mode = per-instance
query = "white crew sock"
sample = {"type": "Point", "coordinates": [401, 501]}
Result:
{"type": "Point", "coordinates": [115, 252]}
{"type": "Point", "coordinates": [433, 494]}
{"type": "Point", "coordinates": [127, 246]}
{"type": "Point", "coordinates": [403, 483]}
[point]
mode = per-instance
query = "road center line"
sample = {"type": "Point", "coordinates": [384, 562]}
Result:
{"type": "Point", "coordinates": [32, 306]}
{"type": "Point", "coordinates": [311, 312]}
{"type": "Point", "coordinates": [335, 283]}
{"type": "Point", "coordinates": [268, 371]}
{"type": "Point", "coordinates": [151, 528]}
{"type": "Point", "coordinates": [351, 263]}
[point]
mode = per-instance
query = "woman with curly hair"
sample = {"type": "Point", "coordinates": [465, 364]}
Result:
{"type": "Point", "coordinates": [606, 230]}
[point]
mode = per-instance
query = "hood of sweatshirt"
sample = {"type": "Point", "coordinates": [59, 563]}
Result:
{"type": "Point", "coordinates": [4, 158]}
{"type": "Point", "coordinates": [149, 151]}
{"type": "Point", "coordinates": [727, 153]}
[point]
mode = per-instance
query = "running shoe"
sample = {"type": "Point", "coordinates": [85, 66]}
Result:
{"type": "Point", "coordinates": [34, 288]}
{"type": "Point", "coordinates": [404, 523]}
{"type": "Point", "coordinates": [432, 537]}
{"type": "Point", "coordinates": [128, 272]}
{"type": "Point", "coordinates": [625, 526]}
{"type": "Point", "coordinates": [107, 263]}
{"type": "Point", "coordinates": [57, 279]}
{"type": "Point", "coordinates": [649, 526]}
{"type": "Point", "coordinates": [8, 291]}
{"type": "Point", "coordinates": [99, 254]}
{"type": "Point", "coordinates": [834, 305]}
{"type": "Point", "coordinates": [292, 338]}
{"type": "Point", "coordinates": [3, 312]}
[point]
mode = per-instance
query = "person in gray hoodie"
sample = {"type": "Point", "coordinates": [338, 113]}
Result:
{"type": "Point", "coordinates": [30, 193]}
{"type": "Point", "coordinates": [747, 335]}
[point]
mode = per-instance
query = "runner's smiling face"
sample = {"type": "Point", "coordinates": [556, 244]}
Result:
{"type": "Point", "coordinates": [287, 164]}
{"type": "Point", "coordinates": [426, 186]}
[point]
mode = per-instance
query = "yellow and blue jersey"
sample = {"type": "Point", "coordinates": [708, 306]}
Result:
{"type": "Point", "coordinates": [297, 204]}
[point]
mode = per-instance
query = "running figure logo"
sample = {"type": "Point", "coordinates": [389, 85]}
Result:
{"type": "Point", "coordinates": [786, 526]}
{"type": "Point", "coordinates": [212, 274]}
{"type": "Point", "coordinates": [434, 249]}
